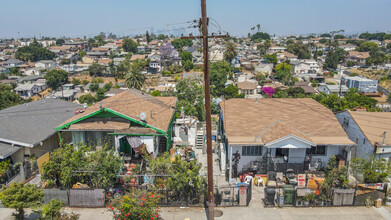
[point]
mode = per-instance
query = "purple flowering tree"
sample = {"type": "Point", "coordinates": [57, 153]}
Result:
{"type": "Point", "coordinates": [268, 91]}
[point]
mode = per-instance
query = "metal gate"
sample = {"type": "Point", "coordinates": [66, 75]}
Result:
{"type": "Point", "coordinates": [91, 198]}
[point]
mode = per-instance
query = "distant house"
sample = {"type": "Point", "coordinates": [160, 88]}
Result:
{"type": "Point", "coordinates": [360, 83]}
{"type": "Point", "coordinates": [313, 64]}
{"type": "Point", "coordinates": [88, 59]}
{"type": "Point", "coordinates": [358, 57]}
{"type": "Point", "coordinates": [348, 47]}
{"type": "Point", "coordinates": [304, 85]}
{"type": "Point", "coordinates": [12, 63]}
{"type": "Point", "coordinates": [276, 49]}
{"type": "Point", "coordinates": [371, 131]}
{"type": "Point", "coordinates": [30, 89]}
{"type": "Point", "coordinates": [332, 89]}
{"type": "Point", "coordinates": [279, 134]}
{"type": "Point", "coordinates": [28, 129]}
{"type": "Point", "coordinates": [264, 68]}
{"type": "Point", "coordinates": [127, 121]}
{"type": "Point", "coordinates": [155, 64]}
{"type": "Point", "coordinates": [33, 71]}
{"type": "Point", "coordinates": [300, 67]}
{"type": "Point", "coordinates": [114, 92]}
{"type": "Point", "coordinates": [29, 79]}
{"type": "Point", "coordinates": [46, 64]}
{"type": "Point", "coordinates": [247, 88]}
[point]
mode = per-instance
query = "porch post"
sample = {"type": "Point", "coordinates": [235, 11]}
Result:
{"type": "Point", "coordinates": [117, 144]}
{"type": "Point", "coordinates": [230, 163]}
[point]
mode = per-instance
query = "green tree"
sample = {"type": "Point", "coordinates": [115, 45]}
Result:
{"type": "Point", "coordinates": [190, 96]}
{"type": "Point", "coordinates": [180, 43]}
{"type": "Point", "coordinates": [20, 196]}
{"type": "Point", "coordinates": [100, 94]}
{"type": "Point", "coordinates": [333, 58]}
{"type": "Point", "coordinates": [232, 91]}
{"type": "Point", "coordinates": [188, 66]}
{"type": "Point", "coordinates": [96, 69]}
{"type": "Point", "coordinates": [55, 78]}
{"type": "Point", "coordinates": [284, 75]}
{"type": "Point", "coordinates": [323, 41]}
{"type": "Point", "coordinates": [94, 87]}
{"type": "Point", "coordinates": [283, 67]}
{"type": "Point", "coordinates": [368, 47]}
{"type": "Point", "coordinates": [325, 35]}
{"type": "Point", "coordinates": [87, 98]}
{"type": "Point", "coordinates": [259, 36]}
{"type": "Point", "coordinates": [135, 79]}
{"type": "Point", "coordinates": [108, 86]}
{"type": "Point", "coordinates": [76, 81]}
{"type": "Point", "coordinates": [339, 36]}
{"type": "Point", "coordinates": [65, 61]}
{"type": "Point", "coordinates": [219, 71]}
{"type": "Point", "coordinates": [377, 58]}
{"type": "Point", "coordinates": [300, 50]}
{"type": "Point", "coordinates": [335, 178]}
{"type": "Point", "coordinates": [34, 52]}
{"type": "Point", "coordinates": [271, 58]}
{"type": "Point", "coordinates": [186, 56]}
{"type": "Point", "coordinates": [129, 45]}
{"type": "Point", "coordinates": [148, 37]}
{"type": "Point", "coordinates": [156, 93]}
{"type": "Point", "coordinates": [101, 166]}
{"type": "Point", "coordinates": [162, 37]}
{"type": "Point", "coordinates": [123, 67]}
{"type": "Point", "coordinates": [60, 42]}
{"type": "Point", "coordinates": [9, 98]}
{"type": "Point", "coordinates": [81, 53]}
{"type": "Point", "coordinates": [230, 51]}
{"type": "Point", "coordinates": [374, 170]}
{"type": "Point", "coordinates": [52, 210]}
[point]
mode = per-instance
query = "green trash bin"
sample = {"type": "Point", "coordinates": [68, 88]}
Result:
{"type": "Point", "coordinates": [289, 193]}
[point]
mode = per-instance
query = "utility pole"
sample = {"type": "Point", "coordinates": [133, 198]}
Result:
{"type": "Point", "coordinates": [204, 24]}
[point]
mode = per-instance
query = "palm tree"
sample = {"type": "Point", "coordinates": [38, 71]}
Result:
{"type": "Point", "coordinates": [259, 27]}
{"type": "Point", "coordinates": [267, 44]}
{"type": "Point", "coordinates": [230, 51]}
{"type": "Point", "coordinates": [135, 79]}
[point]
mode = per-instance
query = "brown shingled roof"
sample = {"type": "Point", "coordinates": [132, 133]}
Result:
{"type": "Point", "coordinates": [247, 85]}
{"type": "Point", "coordinates": [361, 55]}
{"type": "Point", "coordinates": [246, 119]}
{"type": "Point", "coordinates": [131, 103]}
{"type": "Point", "coordinates": [373, 125]}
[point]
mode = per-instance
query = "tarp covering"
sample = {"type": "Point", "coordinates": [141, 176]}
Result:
{"type": "Point", "coordinates": [135, 143]}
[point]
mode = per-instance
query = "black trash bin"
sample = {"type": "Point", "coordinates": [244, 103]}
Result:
{"type": "Point", "coordinates": [270, 193]}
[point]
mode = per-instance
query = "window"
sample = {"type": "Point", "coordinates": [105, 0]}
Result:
{"type": "Point", "coordinates": [319, 150]}
{"type": "Point", "coordinates": [282, 152]}
{"type": "Point", "coordinates": [251, 150]}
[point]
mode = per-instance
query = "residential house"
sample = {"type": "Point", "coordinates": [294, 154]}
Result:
{"type": "Point", "coordinates": [279, 134]}
{"type": "Point", "coordinates": [247, 87]}
{"type": "Point", "coordinates": [313, 64]}
{"type": "Point", "coordinates": [114, 92]}
{"type": "Point", "coordinates": [358, 57]}
{"type": "Point", "coordinates": [46, 64]}
{"type": "Point", "coordinates": [348, 47]}
{"type": "Point", "coordinates": [360, 83]}
{"type": "Point", "coordinates": [12, 63]}
{"type": "Point", "coordinates": [28, 129]}
{"type": "Point", "coordinates": [127, 121]}
{"type": "Point", "coordinates": [304, 85]}
{"type": "Point", "coordinates": [88, 59]}
{"type": "Point", "coordinates": [333, 89]}
{"type": "Point", "coordinates": [300, 67]}
{"type": "Point", "coordinates": [28, 90]}
{"type": "Point", "coordinates": [33, 71]}
{"type": "Point", "coordinates": [264, 68]}
{"type": "Point", "coordinates": [275, 49]}
{"type": "Point", "coordinates": [155, 64]}
{"type": "Point", "coordinates": [29, 79]}
{"type": "Point", "coordinates": [371, 131]}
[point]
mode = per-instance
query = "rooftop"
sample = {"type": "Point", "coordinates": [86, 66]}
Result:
{"type": "Point", "coordinates": [29, 124]}
{"type": "Point", "coordinates": [260, 121]}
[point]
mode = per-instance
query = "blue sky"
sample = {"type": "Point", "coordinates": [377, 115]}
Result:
{"type": "Point", "coordinates": [54, 18]}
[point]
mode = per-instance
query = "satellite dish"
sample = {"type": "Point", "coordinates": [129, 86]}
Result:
{"type": "Point", "coordinates": [143, 116]}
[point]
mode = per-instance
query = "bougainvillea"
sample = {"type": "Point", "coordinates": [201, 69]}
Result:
{"type": "Point", "coordinates": [268, 91]}
{"type": "Point", "coordinates": [135, 206]}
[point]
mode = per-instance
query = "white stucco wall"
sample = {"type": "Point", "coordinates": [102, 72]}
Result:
{"type": "Point", "coordinates": [364, 147]}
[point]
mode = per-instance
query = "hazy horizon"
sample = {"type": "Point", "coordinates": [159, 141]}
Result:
{"type": "Point", "coordinates": [53, 18]}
